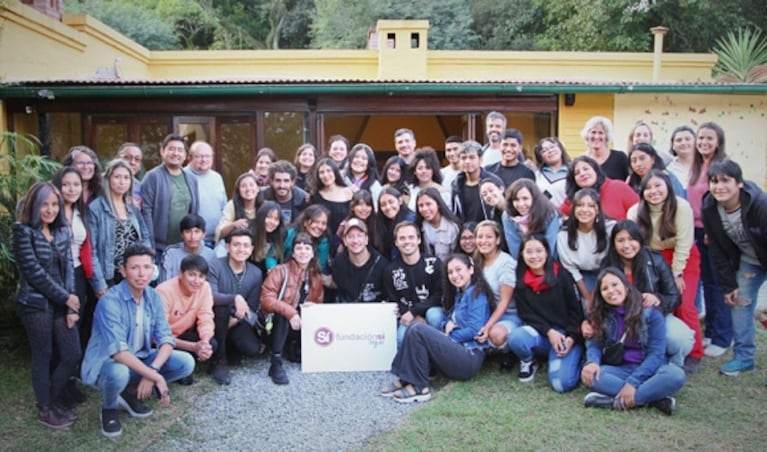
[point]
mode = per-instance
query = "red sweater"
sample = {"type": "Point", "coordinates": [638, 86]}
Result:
{"type": "Point", "coordinates": [616, 198]}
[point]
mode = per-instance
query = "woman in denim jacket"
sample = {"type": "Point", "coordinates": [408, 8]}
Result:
{"type": "Point", "coordinates": [115, 223]}
{"type": "Point", "coordinates": [641, 375]}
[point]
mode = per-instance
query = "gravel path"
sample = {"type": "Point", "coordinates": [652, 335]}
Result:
{"type": "Point", "coordinates": [316, 411]}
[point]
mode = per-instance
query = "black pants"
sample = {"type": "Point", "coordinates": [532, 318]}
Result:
{"type": "Point", "coordinates": [282, 333]}
{"type": "Point", "coordinates": [191, 335]}
{"type": "Point", "coordinates": [242, 336]}
{"type": "Point", "coordinates": [48, 334]}
{"type": "Point", "coordinates": [424, 346]}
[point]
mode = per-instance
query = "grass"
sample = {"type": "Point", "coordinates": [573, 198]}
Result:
{"type": "Point", "coordinates": [492, 411]}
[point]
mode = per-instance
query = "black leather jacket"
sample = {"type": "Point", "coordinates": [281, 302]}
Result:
{"type": "Point", "coordinates": [659, 280]}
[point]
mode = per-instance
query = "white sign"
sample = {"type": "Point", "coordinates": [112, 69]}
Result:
{"type": "Point", "coordinates": [348, 337]}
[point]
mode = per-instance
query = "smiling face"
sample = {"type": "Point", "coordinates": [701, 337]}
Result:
{"type": "Point", "coordinates": [486, 240]}
{"type": "Point", "coordinates": [510, 149]}
{"type": "Point", "coordinates": [359, 163]}
{"type": "Point", "coordinates": [303, 253]}
{"type": "Point", "coordinates": [120, 181]}
{"type": "Point", "coordinates": [585, 175]}
{"type": "Point", "coordinates": [726, 191]}
{"type": "Point", "coordinates": [138, 271]}
{"type": "Point", "coordinates": [192, 239]}
{"type": "Point", "coordinates": [597, 138]}
{"type": "Point", "coordinates": [201, 157]}
{"type": "Point", "coordinates": [389, 205]}
{"type": "Point", "coordinates": [491, 194]}
{"type": "Point", "coordinates": [467, 241]}
{"type": "Point", "coordinates": [85, 166]}
{"type": "Point", "coordinates": [534, 255]}
{"type": "Point", "coordinates": [494, 129]}
{"type": "Point", "coordinates": [428, 209]}
{"type": "Point", "coordinates": [707, 142]}
{"type": "Point", "coordinates": [272, 221]}
{"type": "Point", "coordinates": [394, 173]}
{"type": "Point", "coordinates": [551, 154]}
{"type": "Point", "coordinates": [356, 241]}
{"type": "Point", "coordinates": [626, 246]}
{"type": "Point", "coordinates": [459, 273]}
{"type": "Point", "coordinates": [248, 189]}
{"type": "Point", "coordinates": [326, 176]}
{"type": "Point", "coordinates": [316, 226]}
{"type": "Point", "coordinates": [362, 210]}
{"type": "Point", "coordinates": [338, 152]}
{"type": "Point", "coordinates": [641, 163]}
{"type": "Point", "coordinates": [642, 134]}
{"type": "Point", "coordinates": [405, 145]}
{"type": "Point", "coordinates": [239, 248]}
{"type": "Point", "coordinates": [173, 154]}
{"type": "Point", "coordinates": [306, 159]}
{"type": "Point", "coordinates": [71, 187]}
{"type": "Point", "coordinates": [585, 211]}
{"type": "Point", "coordinates": [423, 172]}
{"type": "Point", "coordinates": [523, 201]}
{"type": "Point", "coordinates": [407, 241]}
{"type": "Point", "coordinates": [683, 143]}
{"type": "Point", "coordinates": [451, 153]}
{"type": "Point", "coordinates": [613, 290]}
{"type": "Point", "coordinates": [282, 185]}
{"type": "Point", "coordinates": [191, 281]}
{"type": "Point", "coordinates": [262, 165]}
{"type": "Point", "coordinates": [655, 191]}
{"type": "Point", "coordinates": [49, 210]}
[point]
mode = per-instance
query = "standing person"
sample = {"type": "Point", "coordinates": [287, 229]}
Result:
{"type": "Point", "coordinates": [638, 374]}
{"type": "Point", "coordinates": [261, 164]}
{"type": "Point", "coordinates": [306, 157]}
{"type": "Point", "coordinates": [425, 173]}
{"type": "Point", "coordinates": [642, 133]}
{"type": "Point", "coordinates": [467, 203]}
{"type": "Point", "coordinates": [211, 190]}
{"type": "Point", "coordinates": [404, 143]}
{"type": "Point", "coordinates": [394, 175]}
{"type": "Point", "coordinates": [358, 272]}
{"type": "Point", "coordinates": [192, 235]}
{"type": "Point", "coordinates": [267, 240]}
{"type": "Point", "coordinates": [115, 223]}
{"type": "Point", "coordinates": [133, 156]}
{"type": "Point", "coordinates": [453, 167]}
{"type": "Point", "coordinates": [361, 173]}
{"type": "Point", "coordinates": [391, 212]}
{"type": "Point", "coordinates": [528, 212]}
{"type": "Point", "coordinates": [616, 195]}
{"type": "Point", "coordinates": [452, 349]}
{"type": "Point", "coordinates": [551, 317]}
{"type": "Point", "coordinates": [667, 225]}
{"type": "Point", "coordinates": [240, 211]}
{"type": "Point", "coordinates": [598, 134]}
{"type": "Point", "coordinates": [510, 168]}
{"type": "Point", "coordinates": [168, 194]}
{"type": "Point", "coordinates": [683, 150]}
{"type": "Point", "coordinates": [282, 189]}
{"type": "Point", "coordinates": [130, 355]}
{"type": "Point", "coordinates": [412, 281]}
{"type": "Point", "coordinates": [331, 192]}
{"type": "Point", "coordinates": [735, 218]}
{"type": "Point", "coordinates": [338, 150]}
{"type": "Point", "coordinates": [551, 176]}
{"type": "Point", "coordinates": [438, 224]}
{"type": "Point", "coordinates": [710, 148]}
{"type": "Point", "coordinates": [643, 158]}
{"type": "Point", "coordinates": [495, 124]}
{"type": "Point", "coordinates": [85, 160]}
{"type": "Point", "coordinates": [288, 288]}
{"type": "Point", "coordinates": [46, 300]}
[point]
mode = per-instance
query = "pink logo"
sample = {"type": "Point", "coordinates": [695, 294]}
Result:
{"type": "Point", "coordinates": [323, 337]}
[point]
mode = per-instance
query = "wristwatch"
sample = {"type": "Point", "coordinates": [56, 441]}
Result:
{"type": "Point", "coordinates": [155, 367]}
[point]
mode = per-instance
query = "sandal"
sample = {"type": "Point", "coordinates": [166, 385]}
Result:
{"type": "Point", "coordinates": [389, 390]}
{"type": "Point", "coordinates": [410, 394]}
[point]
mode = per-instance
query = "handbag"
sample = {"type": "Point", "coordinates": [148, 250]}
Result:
{"type": "Point", "coordinates": [264, 321]}
{"type": "Point", "coordinates": [612, 354]}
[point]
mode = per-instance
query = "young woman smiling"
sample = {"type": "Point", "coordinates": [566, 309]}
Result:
{"type": "Point", "coordinates": [438, 224]}
{"type": "Point", "coordinates": [529, 212]}
{"type": "Point", "coordinates": [240, 211]}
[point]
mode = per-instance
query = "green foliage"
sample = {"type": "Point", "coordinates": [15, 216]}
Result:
{"type": "Point", "coordinates": [742, 56]}
{"type": "Point", "coordinates": [344, 24]}
{"type": "Point", "coordinates": [506, 24]}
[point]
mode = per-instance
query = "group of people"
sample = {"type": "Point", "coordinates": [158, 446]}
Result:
{"type": "Point", "coordinates": [592, 265]}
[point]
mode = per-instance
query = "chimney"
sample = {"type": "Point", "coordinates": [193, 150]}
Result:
{"type": "Point", "coordinates": [658, 33]}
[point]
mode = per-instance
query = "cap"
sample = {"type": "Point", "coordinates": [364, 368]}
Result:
{"type": "Point", "coordinates": [355, 223]}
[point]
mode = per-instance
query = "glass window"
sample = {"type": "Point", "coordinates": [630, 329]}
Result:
{"type": "Point", "coordinates": [284, 132]}
{"type": "Point", "coordinates": [236, 145]}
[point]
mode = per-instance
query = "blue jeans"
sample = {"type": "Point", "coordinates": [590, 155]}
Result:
{"type": "Point", "coordinates": [115, 377]}
{"type": "Point", "coordinates": [718, 316]}
{"type": "Point", "coordinates": [435, 317]}
{"type": "Point", "coordinates": [679, 340]}
{"type": "Point", "coordinates": [564, 373]}
{"type": "Point", "coordinates": [750, 279]}
{"type": "Point", "coordinates": [666, 381]}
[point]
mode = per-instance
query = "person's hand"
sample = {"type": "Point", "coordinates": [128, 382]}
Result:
{"type": "Point", "coordinates": [242, 223]}
{"type": "Point", "coordinates": [590, 374]}
{"type": "Point", "coordinates": [449, 326]}
{"type": "Point", "coordinates": [626, 396]}
{"type": "Point", "coordinates": [100, 293]}
{"type": "Point", "coordinates": [203, 350]}
{"type": "Point", "coordinates": [241, 309]}
{"type": "Point", "coordinates": [406, 318]}
{"type": "Point", "coordinates": [680, 285]}
{"type": "Point", "coordinates": [72, 320]}
{"type": "Point", "coordinates": [482, 335]}
{"type": "Point", "coordinates": [73, 302]}
{"type": "Point", "coordinates": [295, 322]}
{"type": "Point", "coordinates": [587, 329]}
{"type": "Point", "coordinates": [650, 300]}
{"type": "Point", "coordinates": [558, 342]}
{"type": "Point", "coordinates": [327, 280]}
{"type": "Point", "coordinates": [145, 385]}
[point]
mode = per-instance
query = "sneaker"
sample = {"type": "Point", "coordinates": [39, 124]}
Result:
{"type": "Point", "coordinates": [220, 373]}
{"type": "Point", "coordinates": [527, 370]}
{"type": "Point", "coordinates": [110, 423]}
{"type": "Point", "coordinates": [598, 400]}
{"type": "Point", "coordinates": [278, 374]}
{"type": "Point", "coordinates": [691, 365]}
{"type": "Point", "coordinates": [51, 418]}
{"type": "Point", "coordinates": [734, 367]}
{"type": "Point", "coordinates": [65, 412]}
{"type": "Point", "coordinates": [715, 351]}
{"type": "Point", "coordinates": [666, 405]}
{"type": "Point", "coordinates": [130, 403]}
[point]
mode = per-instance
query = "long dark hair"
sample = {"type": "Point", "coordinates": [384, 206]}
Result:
{"type": "Point", "coordinates": [58, 178]}
{"type": "Point", "coordinates": [371, 172]}
{"type": "Point", "coordinates": [634, 180]}
{"type": "Point", "coordinates": [571, 224]}
{"type": "Point", "coordinates": [307, 239]}
{"type": "Point", "coordinates": [572, 186]}
{"type": "Point", "coordinates": [538, 151]}
{"type": "Point", "coordinates": [677, 131]}
{"type": "Point", "coordinates": [429, 157]}
{"type": "Point", "coordinates": [94, 185]}
{"type": "Point", "coordinates": [719, 153]}
{"type": "Point", "coordinates": [262, 240]}
{"type": "Point", "coordinates": [639, 263]}
{"type": "Point", "coordinates": [315, 185]}
{"type": "Point", "coordinates": [238, 202]}
{"type": "Point", "coordinates": [311, 212]}
{"type": "Point", "coordinates": [542, 211]}
{"type": "Point", "coordinates": [667, 227]}
{"type": "Point", "coordinates": [470, 226]}
{"type": "Point", "coordinates": [29, 212]}
{"type": "Point", "coordinates": [401, 184]}
{"type": "Point", "coordinates": [497, 230]}
{"type": "Point", "coordinates": [549, 275]}
{"type": "Point", "coordinates": [600, 309]}
{"type": "Point", "coordinates": [443, 209]}
{"type": "Point", "coordinates": [477, 280]}
{"type": "Point", "coordinates": [384, 240]}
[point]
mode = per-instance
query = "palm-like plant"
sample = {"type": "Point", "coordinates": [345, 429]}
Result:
{"type": "Point", "coordinates": [742, 57]}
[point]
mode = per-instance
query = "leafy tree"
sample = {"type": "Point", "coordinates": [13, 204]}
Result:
{"type": "Point", "coordinates": [506, 24]}
{"type": "Point", "coordinates": [742, 57]}
{"type": "Point", "coordinates": [344, 24]}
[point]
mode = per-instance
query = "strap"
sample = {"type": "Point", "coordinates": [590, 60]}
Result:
{"type": "Point", "coordinates": [370, 272]}
{"type": "Point", "coordinates": [284, 283]}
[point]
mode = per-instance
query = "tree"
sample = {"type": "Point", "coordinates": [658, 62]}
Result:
{"type": "Point", "coordinates": [742, 57]}
{"type": "Point", "coordinates": [506, 24]}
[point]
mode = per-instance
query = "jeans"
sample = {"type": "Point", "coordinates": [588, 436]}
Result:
{"type": "Point", "coordinates": [679, 340]}
{"type": "Point", "coordinates": [718, 315]}
{"type": "Point", "coordinates": [435, 317]}
{"type": "Point", "coordinates": [666, 381]}
{"type": "Point", "coordinates": [750, 279]}
{"type": "Point", "coordinates": [115, 377]}
{"type": "Point", "coordinates": [564, 372]}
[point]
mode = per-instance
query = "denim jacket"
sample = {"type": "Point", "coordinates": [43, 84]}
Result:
{"type": "Point", "coordinates": [470, 313]}
{"type": "Point", "coordinates": [114, 328]}
{"type": "Point", "coordinates": [102, 220]}
{"type": "Point", "coordinates": [514, 235]}
{"type": "Point", "coordinates": [33, 253]}
{"type": "Point", "coordinates": [652, 338]}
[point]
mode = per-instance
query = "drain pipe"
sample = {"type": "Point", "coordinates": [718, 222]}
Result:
{"type": "Point", "coordinates": [658, 33]}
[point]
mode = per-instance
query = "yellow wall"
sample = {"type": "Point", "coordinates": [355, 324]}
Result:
{"type": "Point", "coordinates": [743, 118]}
{"type": "Point", "coordinates": [572, 119]}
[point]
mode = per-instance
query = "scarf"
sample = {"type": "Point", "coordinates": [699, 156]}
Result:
{"type": "Point", "coordinates": [535, 282]}
{"type": "Point", "coordinates": [523, 221]}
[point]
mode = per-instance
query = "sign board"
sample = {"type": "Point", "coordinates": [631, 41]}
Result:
{"type": "Point", "coordinates": [348, 337]}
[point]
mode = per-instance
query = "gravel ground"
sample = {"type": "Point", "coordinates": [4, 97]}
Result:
{"type": "Point", "coordinates": [316, 411]}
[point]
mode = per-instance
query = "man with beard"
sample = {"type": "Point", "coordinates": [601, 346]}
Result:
{"type": "Point", "coordinates": [358, 271]}
{"type": "Point", "coordinates": [282, 190]}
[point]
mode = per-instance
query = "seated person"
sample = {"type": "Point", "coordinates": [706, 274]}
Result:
{"type": "Point", "coordinates": [236, 286]}
{"type": "Point", "coordinates": [287, 287]}
{"type": "Point", "coordinates": [121, 359]}
{"type": "Point", "coordinates": [358, 271]}
{"type": "Point", "coordinates": [192, 228]}
{"type": "Point", "coordinates": [188, 302]}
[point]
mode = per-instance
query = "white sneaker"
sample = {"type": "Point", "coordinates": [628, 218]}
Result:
{"type": "Point", "coordinates": [714, 351]}
{"type": "Point", "coordinates": [706, 342]}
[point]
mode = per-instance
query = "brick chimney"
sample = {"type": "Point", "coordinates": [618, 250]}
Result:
{"type": "Point", "coordinates": [52, 8]}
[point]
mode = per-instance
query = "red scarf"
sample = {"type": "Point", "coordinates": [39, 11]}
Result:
{"type": "Point", "coordinates": [535, 282]}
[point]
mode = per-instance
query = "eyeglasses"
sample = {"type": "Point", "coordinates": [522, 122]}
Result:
{"type": "Point", "coordinates": [203, 157]}
{"type": "Point", "coordinates": [130, 158]}
{"type": "Point", "coordinates": [89, 163]}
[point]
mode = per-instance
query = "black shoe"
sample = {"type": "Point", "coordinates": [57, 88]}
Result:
{"type": "Point", "coordinates": [51, 418]}
{"type": "Point", "coordinates": [110, 423]}
{"type": "Point", "coordinates": [220, 373]}
{"type": "Point", "coordinates": [527, 370]}
{"type": "Point", "coordinates": [277, 373]}
{"type": "Point", "coordinates": [65, 412]}
{"type": "Point", "coordinates": [691, 365]}
{"type": "Point", "coordinates": [598, 400]}
{"type": "Point", "coordinates": [130, 403]}
{"type": "Point", "coordinates": [666, 405]}
{"type": "Point", "coordinates": [76, 395]}
{"type": "Point", "coordinates": [186, 381]}
{"type": "Point", "coordinates": [507, 362]}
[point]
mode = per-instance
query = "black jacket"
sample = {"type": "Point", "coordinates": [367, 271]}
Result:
{"type": "Point", "coordinates": [659, 280]}
{"type": "Point", "coordinates": [457, 194]}
{"type": "Point", "coordinates": [724, 252]}
{"type": "Point", "coordinates": [556, 307]}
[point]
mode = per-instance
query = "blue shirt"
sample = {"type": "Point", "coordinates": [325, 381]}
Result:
{"type": "Point", "coordinates": [114, 328]}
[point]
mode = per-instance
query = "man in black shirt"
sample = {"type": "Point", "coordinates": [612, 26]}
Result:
{"type": "Point", "coordinates": [467, 203]}
{"type": "Point", "coordinates": [282, 190]}
{"type": "Point", "coordinates": [511, 168]}
{"type": "Point", "coordinates": [358, 271]}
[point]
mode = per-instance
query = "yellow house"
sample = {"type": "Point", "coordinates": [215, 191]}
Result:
{"type": "Point", "coordinates": [74, 80]}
